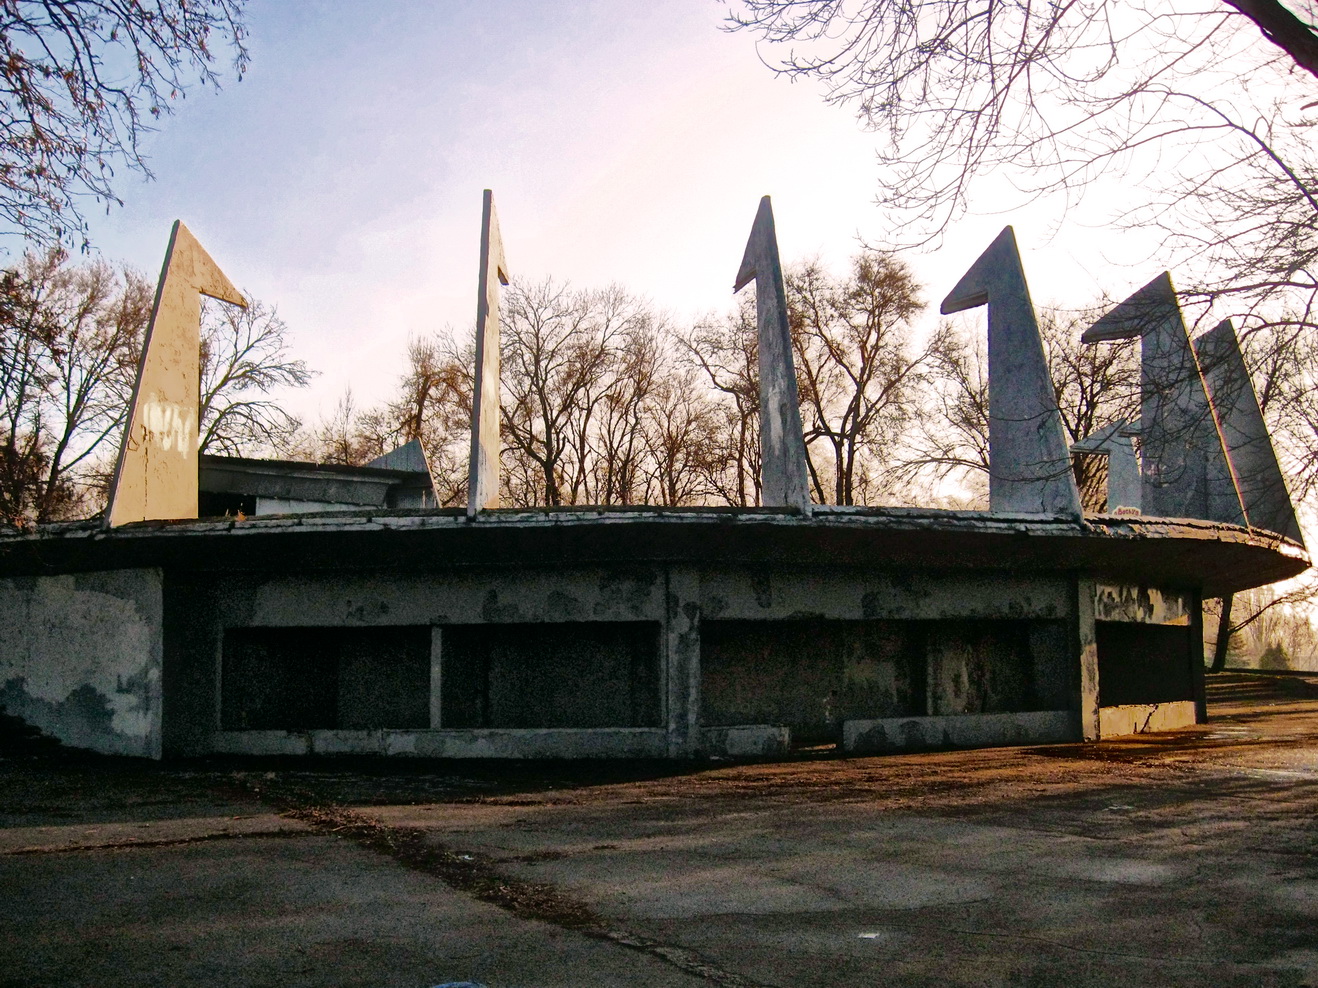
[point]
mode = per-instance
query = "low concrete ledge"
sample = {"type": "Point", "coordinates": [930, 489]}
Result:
{"type": "Point", "coordinates": [1142, 718]}
{"type": "Point", "coordinates": [746, 740]}
{"type": "Point", "coordinates": [890, 734]}
{"type": "Point", "coordinates": [602, 742]}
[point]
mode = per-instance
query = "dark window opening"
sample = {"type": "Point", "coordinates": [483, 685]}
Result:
{"type": "Point", "coordinates": [1143, 663]}
{"type": "Point", "coordinates": [212, 504]}
{"type": "Point", "coordinates": [302, 679]}
{"type": "Point", "coordinates": [550, 675]}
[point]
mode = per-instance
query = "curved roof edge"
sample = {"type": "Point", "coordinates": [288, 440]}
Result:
{"type": "Point", "coordinates": [1212, 557]}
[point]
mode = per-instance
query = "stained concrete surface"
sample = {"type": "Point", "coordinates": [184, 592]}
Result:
{"type": "Point", "coordinates": [81, 657]}
{"type": "Point", "coordinates": [1185, 858]}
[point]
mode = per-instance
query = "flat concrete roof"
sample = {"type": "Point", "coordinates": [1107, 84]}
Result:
{"type": "Point", "coordinates": [1211, 557]}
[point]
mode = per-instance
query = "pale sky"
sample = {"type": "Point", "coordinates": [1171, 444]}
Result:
{"type": "Point", "coordinates": [626, 141]}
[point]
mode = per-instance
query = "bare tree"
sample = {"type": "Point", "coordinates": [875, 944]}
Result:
{"type": "Point", "coordinates": [434, 405]}
{"type": "Point", "coordinates": [949, 438]}
{"type": "Point", "coordinates": [576, 368]}
{"type": "Point", "coordinates": [1284, 29]}
{"type": "Point", "coordinates": [620, 448]}
{"type": "Point", "coordinates": [348, 436]}
{"type": "Point", "coordinates": [596, 407]}
{"type": "Point", "coordinates": [71, 338]}
{"type": "Point", "coordinates": [1205, 114]}
{"type": "Point", "coordinates": [681, 434]}
{"type": "Point", "coordinates": [1094, 387]}
{"type": "Point", "coordinates": [726, 353]}
{"type": "Point", "coordinates": [244, 358]}
{"type": "Point", "coordinates": [1053, 94]}
{"type": "Point", "coordinates": [859, 375]}
{"type": "Point", "coordinates": [80, 82]}
{"type": "Point", "coordinates": [70, 342]}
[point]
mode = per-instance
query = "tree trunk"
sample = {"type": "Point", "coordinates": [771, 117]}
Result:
{"type": "Point", "coordinates": [1223, 644]}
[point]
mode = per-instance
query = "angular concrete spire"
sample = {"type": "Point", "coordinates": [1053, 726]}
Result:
{"type": "Point", "coordinates": [1249, 447]}
{"type": "Point", "coordinates": [483, 469]}
{"type": "Point", "coordinates": [784, 474]}
{"type": "Point", "coordinates": [156, 473]}
{"type": "Point", "coordinates": [1029, 464]}
{"type": "Point", "coordinates": [1123, 466]}
{"type": "Point", "coordinates": [1186, 473]}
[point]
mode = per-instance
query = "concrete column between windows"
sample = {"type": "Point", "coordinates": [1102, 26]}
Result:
{"type": "Point", "coordinates": [680, 657]}
{"type": "Point", "coordinates": [1085, 639]}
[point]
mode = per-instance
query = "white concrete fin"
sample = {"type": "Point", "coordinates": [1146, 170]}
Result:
{"type": "Point", "coordinates": [155, 476]}
{"type": "Point", "coordinates": [784, 473]}
{"type": "Point", "coordinates": [483, 468]}
{"type": "Point", "coordinates": [1029, 464]}
{"type": "Point", "coordinates": [1123, 465]}
{"type": "Point", "coordinates": [1143, 312]}
{"type": "Point", "coordinates": [1185, 472]}
{"type": "Point", "coordinates": [1253, 460]}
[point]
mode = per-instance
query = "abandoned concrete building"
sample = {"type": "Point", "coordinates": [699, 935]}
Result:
{"type": "Point", "coordinates": [250, 607]}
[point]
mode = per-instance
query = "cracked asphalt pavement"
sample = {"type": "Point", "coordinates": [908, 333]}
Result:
{"type": "Point", "coordinates": [1187, 858]}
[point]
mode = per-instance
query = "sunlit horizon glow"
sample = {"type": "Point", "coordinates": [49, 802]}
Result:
{"type": "Point", "coordinates": [340, 181]}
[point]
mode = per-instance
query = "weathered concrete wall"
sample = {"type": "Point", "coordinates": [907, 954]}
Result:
{"type": "Point", "coordinates": [746, 741]}
{"type": "Point", "coordinates": [496, 596]}
{"type": "Point", "coordinates": [1150, 658]}
{"type": "Point", "coordinates": [813, 675]}
{"type": "Point", "coordinates": [307, 678]}
{"type": "Point", "coordinates": [1085, 642]}
{"type": "Point", "coordinates": [80, 658]}
{"type": "Point", "coordinates": [755, 594]}
{"type": "Point", "coordinates": [543, 659]}
{"type": "Point", "coordinates": [854, 654]}
{"type": "Point", "coordinates": [996, 666]}
{"type": "Point", "coordinates": [680, 660]}
{"type": "Point", "coordinates": [287, 506]}
{"type": "Point", "coordinates": [808, 674]}
{"type": "Point", "coordinates": [528, 680]}
{"type": "Point", "coordinates": [971, 731]}
{"type": "Point", "coordinates": [1141, 718]}
{"type": "Point", "coordinates": [1142, 605]}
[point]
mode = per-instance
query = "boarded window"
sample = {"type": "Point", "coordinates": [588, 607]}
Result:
{"type": "Point", "coordinates": [301, 679]}
{"type": "Point", "coordinates": [812, 675]}
{"type": "Point", "coordinates": [809, 675]}
{"type": "Point", "coordinates": [550, 675]}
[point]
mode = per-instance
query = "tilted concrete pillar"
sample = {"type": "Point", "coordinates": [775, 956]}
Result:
{"type": "Point", "coordinates": [1185, 471]}
{"type": "Point", "coordinates": [1253, 461]}
{"type": "Point", "coordinates": [483, 469]}
{"type": "Point", "coordinates": [784, 473]}
{"type": "Point", "coordinates": [1029, 463]}
{"type": "Point", "coordinates": [155, 476]}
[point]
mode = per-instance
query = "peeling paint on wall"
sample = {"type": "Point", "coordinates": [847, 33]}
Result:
{"type": "Point", "coordinates": [1141, 605]}
{"type": "Point", "coordinates": [81, 658]}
